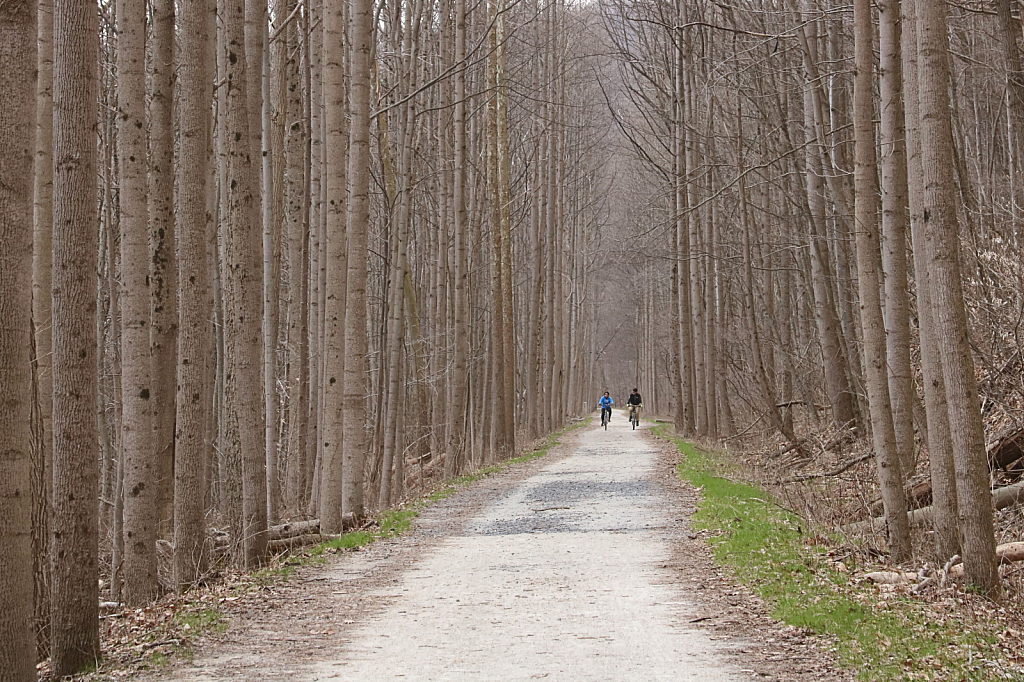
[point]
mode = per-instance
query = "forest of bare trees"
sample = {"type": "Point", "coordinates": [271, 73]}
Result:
{"type": "Point", "coordinates": [302, 259]}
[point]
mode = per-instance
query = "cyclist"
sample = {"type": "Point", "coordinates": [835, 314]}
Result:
{"type": "Point", "coordinates": [606, 403]}
{"type": "Point", "coordinates": [634, 403]}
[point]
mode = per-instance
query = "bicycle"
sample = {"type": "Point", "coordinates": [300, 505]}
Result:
{"type": "Point", "coordinates": [634, 416]}
{"type": "Point", "coordinates": [606, 416]}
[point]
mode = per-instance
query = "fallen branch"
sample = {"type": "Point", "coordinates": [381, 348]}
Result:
{"type": "Point", "coordinates": [834, 472]}
{"type": "Point", "coordinates": [287, 530]}
{"type": "Point", "coordinates": [1001, 499]}
{"type": "Point", "coordinates": [891, 577]}
{"type": "Point", "coordinates": [283, 544]}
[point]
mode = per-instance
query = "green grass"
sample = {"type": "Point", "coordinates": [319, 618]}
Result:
{"type": "Point", "coordinates": [201, 621]}
{"type": "Point", "coordinates": [773, 552]}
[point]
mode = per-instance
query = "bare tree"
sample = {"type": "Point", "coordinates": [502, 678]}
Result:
{"type": "Point", "coordinates": [74, 544]}
{"type": "Point", "coordinates": [360, 34]}
{"type": "Point", "coordinates": [17, 146]}
{"type": "Point", "coordinates": [140, 471]}
{"type": "Point", "coordinates": [244, 293]}
{"type": "Point", "coordinates": [163, 268]}
{"type": "Point", "coordinates": [943, 253]}
{"type": "Point", "coordinates": [194, 313]}
{"type": "Point", "coordinates": [869, 262]}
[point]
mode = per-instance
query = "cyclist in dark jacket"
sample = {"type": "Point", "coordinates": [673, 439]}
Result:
{"type": "Point", "coordinates": [634, 403]}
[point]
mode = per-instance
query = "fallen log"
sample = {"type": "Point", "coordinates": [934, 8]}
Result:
{"type": "Point", "coordinates": [1004, 450]}
{"type": "Point", "coordinates": [891, 577]}
{"type": "Point", "coordinates": [919, 495]}
{"type": "Point", "coordinates": [287, 530]}
{"type": "Point", "coordinates": [1001, 499]}
{"type": "Point", "coordinates": [282, 544]}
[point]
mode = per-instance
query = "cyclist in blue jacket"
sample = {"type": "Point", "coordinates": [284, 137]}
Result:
{"type": "Point", "coordinates": [606, 403]}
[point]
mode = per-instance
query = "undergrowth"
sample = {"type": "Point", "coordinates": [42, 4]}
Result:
{"type": "Point", "coordinates": [883, 636]}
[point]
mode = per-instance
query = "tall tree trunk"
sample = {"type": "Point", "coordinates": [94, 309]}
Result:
{"type": "Point", "coordinates": [940, 447]}
{"type": "Point", "coordinates": [942, 233]}
{"type": "Point", "coordinates": [456, 450]}
{"type": "Point", "coordinates": [17, 144]}
{"type": "Point", "coordinates": [297, 235]}
{"type": "Point", "coordinates": [42, 311]}
{"type": "Point", "coordinates": [333, 348]}
{"type": "Point", "coordinates": [163, 269]}
{"type": "Point", "coordinates": [137, 440]}
{"type": "Point", "coordinates": [193, 398]}
{"type": "Point", "coordinates": [357, 227]}
{"type": "Point", "coordinates": [508, 399]}
{"type": "Point", "coordinates": [274, 57]}
{"type": "Point", "coordinates": [837, 370]}
{"type": "Point", "coordinates": [243, 255]}
{"type": "Point", "coordinates": [890, 474]}
{"type": "Point", "coordinates": [74, 619]}
{"type": "Point", "coordinates": [893, 164]}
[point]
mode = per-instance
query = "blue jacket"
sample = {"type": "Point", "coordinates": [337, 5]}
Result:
{"type": "Point", "coordinates": [605, 401]}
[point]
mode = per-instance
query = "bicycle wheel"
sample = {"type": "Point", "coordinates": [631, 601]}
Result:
{"type": "Point", "coordinates": [635, 418]}
{"type": "Point", "coordinates": [604, 419]}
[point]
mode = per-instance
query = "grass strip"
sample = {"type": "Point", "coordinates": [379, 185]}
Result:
{"type": "Point", "coordinates": [882, 635]}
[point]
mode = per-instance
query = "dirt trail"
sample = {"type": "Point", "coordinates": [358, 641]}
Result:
{"type": "Point", "coordinates": [577, 567]}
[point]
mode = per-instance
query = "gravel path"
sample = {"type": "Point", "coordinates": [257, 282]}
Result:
{"type": "Point", "coordinates": [579, 566]}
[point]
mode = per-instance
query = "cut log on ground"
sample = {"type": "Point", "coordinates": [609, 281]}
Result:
{"type": "Point", "coordinates": [288, 530]}
{"type": "Point", "coordinates": [1001, 499]}
{"type": "Point", "coordinates": [890, 577]}
{"type": "Point", "coordinates": [1006, 448]}
{"type": "Point", "coordinates": [275, 546]}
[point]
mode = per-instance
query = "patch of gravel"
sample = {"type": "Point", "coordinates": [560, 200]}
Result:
{"type": "Point", "coordinates": [323, 615]}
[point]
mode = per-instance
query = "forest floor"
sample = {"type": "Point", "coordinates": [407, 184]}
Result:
{"type": "Point", "coordinates": [582, 565]}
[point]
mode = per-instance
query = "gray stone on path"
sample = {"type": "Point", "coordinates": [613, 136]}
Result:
{"type": "Point", "coordinates": [563, 578]}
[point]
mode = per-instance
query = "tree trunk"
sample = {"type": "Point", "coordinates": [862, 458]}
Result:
{"type": "Point", "coordinates": [74, 544]}
{"type": "Point", "coordinates": [458, 387]}
{"type": "Point", "coordinates": [940, 449]}
{"type": "Point", "coordinates": [893, 164]}
{"type": "Point", "coordinates": [243, 256]}
{"type": "Point", "coordinates": [163, 269]}
{"type": "Point", "coordinates": [137, 440]}
{"type": "Point", "coordinates": [17, 144]}
{"type": "Point", "coordinates": [42, 311]}
{"type": "Point", "coordinates": [357, 227]}
{"type": "Point", "coordinates": [333, 348]}
{"type": "Point", "coordinates": [869, 257]}
{"type": "Point", "coordinates": [942, 234]}
{"type": "Point", "coordinates": [193, 398]}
